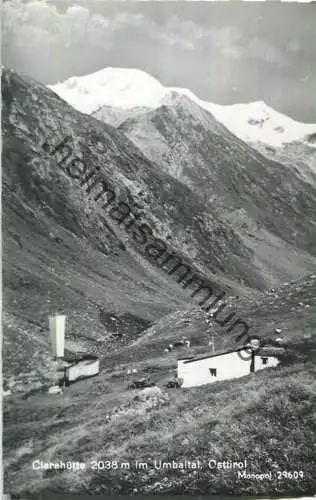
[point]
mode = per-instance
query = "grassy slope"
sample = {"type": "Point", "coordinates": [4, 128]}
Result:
{"type": "Point", "coordinates": [266, 419]}
{"type": "Point", "coordinates": [291, 308]}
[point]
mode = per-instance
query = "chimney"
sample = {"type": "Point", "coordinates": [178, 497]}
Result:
{"type": "Point", "coordinates": [252, 364]}
{"type": "Point", "coordinates": [57, 334]}
{"type": "Point", "coordinates": [212, 343]}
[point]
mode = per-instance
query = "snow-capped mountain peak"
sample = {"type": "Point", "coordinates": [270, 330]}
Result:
{"type": "Point", "coordinates": [126, 88]}
{"type": "Point", "coordinates": [117, 87]}
{"type": "Point", "coordinates": [258, 122]}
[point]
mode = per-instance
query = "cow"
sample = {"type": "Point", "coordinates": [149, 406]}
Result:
{"type": "Point", "coordinates": [175, 383]}
{"type": "Point", "coordinates": [179, 343]}
{"type": "Point", "coordinates": [141, 384]}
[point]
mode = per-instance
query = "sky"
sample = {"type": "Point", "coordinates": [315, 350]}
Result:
{"type": "Point", "coordinates": [225, 52]}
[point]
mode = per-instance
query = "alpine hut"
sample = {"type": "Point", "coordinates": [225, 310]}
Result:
{"type": "Point", "coordinates": [224, 365]}
{"type": "Point", "coordinates": [87, 366]}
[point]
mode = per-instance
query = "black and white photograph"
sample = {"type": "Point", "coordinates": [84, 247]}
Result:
{"type": "Point", "coordinates": [158, 249]}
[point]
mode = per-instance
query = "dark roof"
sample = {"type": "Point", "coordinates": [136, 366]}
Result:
{"type": "Point", "coordinates": [213, 355]}
{"type": "Point", "coordinates": [264, 351]}
{"type": "Point", "coordinates": [74, 360]}
{"type": "Point", "coordinates": [270, 351]}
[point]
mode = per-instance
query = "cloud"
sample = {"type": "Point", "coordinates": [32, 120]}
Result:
{"type": "Point", "coordinates": [226, 40]}
{"type": "Point", "coordinates": [231, 52]}
{"type": "Point", "coordinates": [191, 36]}
{"type": "Point", "coordinates": [260, 49]}
{"type": "Point", "coordinates": [77, 27]}
{"type": "Point", "coordinates": [78, 13]}
{"type": "Point", "coordinates": [293, 46]}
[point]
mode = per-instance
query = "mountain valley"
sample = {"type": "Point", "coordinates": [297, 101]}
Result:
{"type": "Point", "coordinates": [243, 222]}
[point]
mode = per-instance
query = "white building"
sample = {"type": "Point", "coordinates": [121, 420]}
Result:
{"type": "Point", "coordinates": [83, 368]}
{"type": "Point", "coordinates": [57, 334]}
{"type": "Point", "coordinates": [223, 366]}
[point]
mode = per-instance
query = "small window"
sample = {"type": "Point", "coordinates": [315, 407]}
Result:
{"type": "Point", "coordinates": [264, 361]}
{"type": "Point", "coordinates": [213, 372]}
